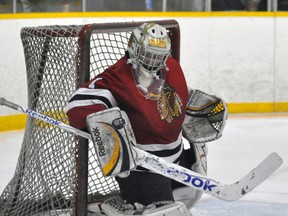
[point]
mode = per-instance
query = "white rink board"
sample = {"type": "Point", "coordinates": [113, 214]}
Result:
{"type": "Point", "coordinates": [242, 59]}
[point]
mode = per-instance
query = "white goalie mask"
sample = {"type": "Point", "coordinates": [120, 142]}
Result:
{"type": "Point", "coordinates": [149, 47]}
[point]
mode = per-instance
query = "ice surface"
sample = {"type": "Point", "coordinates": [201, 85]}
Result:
{"type": "Point", "coordinates": [246, 141]}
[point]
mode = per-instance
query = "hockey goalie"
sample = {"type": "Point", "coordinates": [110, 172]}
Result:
{"type": "Point", "coordinates": [143, 100]}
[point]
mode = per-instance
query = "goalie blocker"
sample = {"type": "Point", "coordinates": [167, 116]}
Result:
{"type": "Point", "coordinates": [112, 136]}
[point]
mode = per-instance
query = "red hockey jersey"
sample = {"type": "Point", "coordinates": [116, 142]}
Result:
{"type": "Point", "coordinates": [156, 124]}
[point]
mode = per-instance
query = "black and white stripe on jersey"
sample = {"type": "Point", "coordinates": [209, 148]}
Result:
{"type": "Point", "coordinates": [88, 97]}
{"type": "Point", "coordinates": [170, 151]}
{"type": "Point", "coordinates": [91, 98]}
{"type": "Point", "coordinates": [166, 153]}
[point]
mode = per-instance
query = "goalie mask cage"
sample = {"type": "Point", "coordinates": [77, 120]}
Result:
{"type": "Point", "coordinates": [57, 172]}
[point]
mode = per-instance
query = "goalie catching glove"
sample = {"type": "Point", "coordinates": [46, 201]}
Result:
{"type": "Point", "coordinates": [112, 136]}
{"type": "Point", "coordinates": [205, 117]}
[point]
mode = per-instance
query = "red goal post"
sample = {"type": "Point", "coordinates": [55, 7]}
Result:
{"type": "Point", "coordinates": [57, 172]}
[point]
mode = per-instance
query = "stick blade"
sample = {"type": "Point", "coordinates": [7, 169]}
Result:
{"type": "Point", "coordinates": [255, 177]}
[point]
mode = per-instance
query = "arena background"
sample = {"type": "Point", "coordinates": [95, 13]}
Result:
{"type": "Point", "coordinates": [240, 56]}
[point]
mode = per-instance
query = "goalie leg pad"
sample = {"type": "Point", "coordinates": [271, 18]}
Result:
{"type": "Point", "coordinates": [190, 196]}
{"type": "Point", "coordinates": [115, 206]}
{"type": "Point", "coordinates": [187, 195]}
{"type": "Point", "coordinates": [112, 136]}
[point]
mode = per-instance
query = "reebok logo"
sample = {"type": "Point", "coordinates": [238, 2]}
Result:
{"type": "Point", "coordinates": [42, 117]}
{"type": "Point", "coordinates": [98, 141]}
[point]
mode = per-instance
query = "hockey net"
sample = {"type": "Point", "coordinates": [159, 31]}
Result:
{"type": "Point", "coordinates": [57, 172]}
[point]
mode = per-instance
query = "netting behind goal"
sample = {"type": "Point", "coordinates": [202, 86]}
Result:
{"type": "Point", "coordinates": [57, 172]}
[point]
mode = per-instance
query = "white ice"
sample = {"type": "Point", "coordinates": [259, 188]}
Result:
{"type": "Point", "coordinates": [246, 141]}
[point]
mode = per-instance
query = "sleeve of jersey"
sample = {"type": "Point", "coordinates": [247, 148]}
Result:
{"type": "Point", "coordinates": [86, 100]}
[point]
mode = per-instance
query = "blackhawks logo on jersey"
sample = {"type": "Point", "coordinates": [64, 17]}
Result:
{"type": "Point", "coordinates": [169, 104]}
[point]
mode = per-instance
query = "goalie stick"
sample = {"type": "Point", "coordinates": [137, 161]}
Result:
{"type": "Point", "coordinates": [226, 192]}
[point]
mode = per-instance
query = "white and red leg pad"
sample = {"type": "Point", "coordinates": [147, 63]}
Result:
{"type": "Point", "coordinates": [117, 207]}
